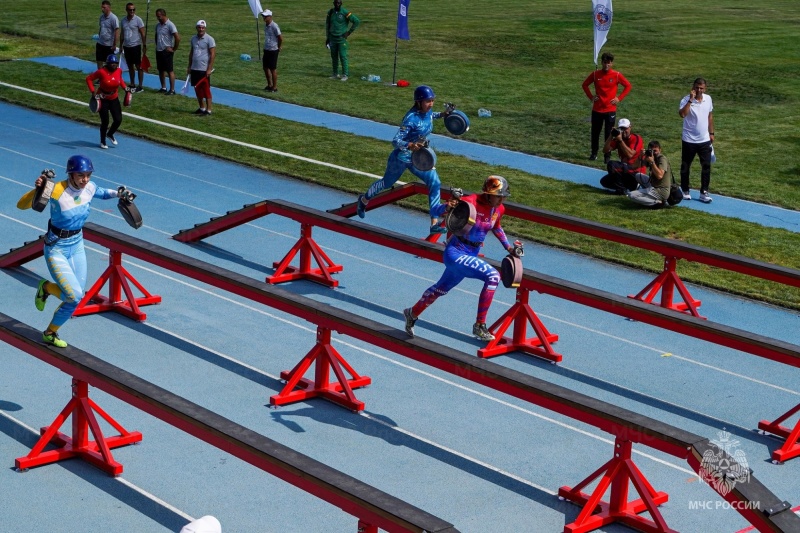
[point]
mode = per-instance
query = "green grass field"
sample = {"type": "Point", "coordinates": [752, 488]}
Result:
{"type": "Point", "coordinates": [524, 61]}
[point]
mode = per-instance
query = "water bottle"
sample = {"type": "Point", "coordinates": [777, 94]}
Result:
{"type": "Point", "coordinates": [245, 57]}
{"type": "Point", "coordinates": [484, 112]}
{"type": "Point", "coordinates": [95, 37]}
{"type": "Point", "coordinates": [364, 78]}
{"type": "Point", "coordinates": [373, 77]}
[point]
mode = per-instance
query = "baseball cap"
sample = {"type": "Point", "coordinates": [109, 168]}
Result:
{"type": "Point", "coordinates": [201, 23]}
{"type": "Point", "coordinates": [624, 123]}
{"type": "Point", "coordinates": [266, 13]}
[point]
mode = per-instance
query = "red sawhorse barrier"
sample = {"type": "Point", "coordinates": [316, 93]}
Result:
{"type": "Point", "coordinates": [790, 448]}
{"type": "Point", "coordinates": [307, 248]}
{"type": "Point", "coordinates": [324, 357]}
{"type": "Point", "coordinates": [667, 282]}
{"type": "Point", "coordinates": [617, 474]}
{"type": "Point", "coordinates": [520, 315]}
{"type": "Point", "coordinates": [118, 279]}
{"type": "Point", "coordinates": [98, 452]}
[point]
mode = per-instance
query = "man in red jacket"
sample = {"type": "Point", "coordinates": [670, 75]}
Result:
{"type": "Point", "coordinates": [605, 99]}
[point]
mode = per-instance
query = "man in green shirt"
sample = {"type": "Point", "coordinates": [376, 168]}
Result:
{"type": "Point", "coordinates": [338, 27]}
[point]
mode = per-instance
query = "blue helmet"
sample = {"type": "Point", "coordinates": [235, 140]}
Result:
{"type": "Point", "coordinates": [423, 92]}
{"type": "Point", "coordinates": [112, 59]}
{"type": "Point", "coordinates": [79, 163]}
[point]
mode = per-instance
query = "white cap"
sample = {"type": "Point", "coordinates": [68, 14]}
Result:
{"type": "Point", "coordinates": [266, 13]}
{"type": "Point", "coordinates": [201, 23]}
{"type": "Point", "coordinates": [624, 123]}
{"type": "Point", "coordinates": [206, 524]}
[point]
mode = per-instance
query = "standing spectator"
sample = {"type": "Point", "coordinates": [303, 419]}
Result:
{"type": "Point", "coordinates": [604, 100]}
{"type": "Point", "coordinates": [655, 185]}
{"type": "Point", "coordinates": [621, 175]}
{"type": "Point", "coordinates": [63, 242]}
{"type": "Point", "coordinates": [201, 63]}
{"type": "Point", "coordinates": [132, 45]}
{"type": "Point", "coordinates": [110, 80]}
{"type": "Point", "coordinates": [698, 135]}
{"type": "Point", "coordinates": [108, 34]}
{"type": "Point", "coordinates": [339, 24]}
{"type": "Point", "coordinates": [461, 256]}
{"type": "Point", "coordinates": [273, 42]}
{"type": "Point", "coordinates": [417, 125]}
{"type": "Point", "coordinates": [167, 41]}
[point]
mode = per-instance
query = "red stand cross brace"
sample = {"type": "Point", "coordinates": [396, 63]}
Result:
{"type": "Point", "coordinates": [98, 452]}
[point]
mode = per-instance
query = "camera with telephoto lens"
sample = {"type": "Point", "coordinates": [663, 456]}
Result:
{"type": "Point", "coordinates": [648, 152]}
{"type": "Point", "coordinates": [614, 133]}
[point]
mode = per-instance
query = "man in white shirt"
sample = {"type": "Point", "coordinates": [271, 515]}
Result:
{"type": "Point", "coordinates": [697, 137]}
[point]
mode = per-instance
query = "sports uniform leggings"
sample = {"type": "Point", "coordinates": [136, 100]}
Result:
{"type": "Point", "coordinates": [599, 121]}
{"type": "Point", "coordinates": [113, 107]}
{"type": "Point", "coordinates": [66, 261]}
{"type": "Point", "coordinates": [395, 168]}
{"type": "Point", "coordinates": [460, 265]}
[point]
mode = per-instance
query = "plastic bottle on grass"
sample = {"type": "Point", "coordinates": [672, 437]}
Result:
{"type": "Point", "coordinates": [484, 112]}
{"type": "Point", "coordinates": [245, 57]}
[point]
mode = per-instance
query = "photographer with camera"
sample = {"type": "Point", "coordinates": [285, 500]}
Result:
{"type": "Point", "coordinates": [621, 175]}
{"type": "Point", "coordinates": [656, 184]}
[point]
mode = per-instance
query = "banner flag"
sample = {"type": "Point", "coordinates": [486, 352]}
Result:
{"type": "Point", "coordinates": [402, 20]}
{"type": "Point", "coordinates": [602, 13]}
{"type": "Point", "coordinates": [255, 7]}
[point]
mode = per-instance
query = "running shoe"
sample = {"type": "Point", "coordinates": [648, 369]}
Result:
{"type": "Point", "coordinates": [705, 197]}
{"type": "Point", "coordinates": [104, 146]}
{"type": "Point", "coordinates": [481, 332]}
{"type": "Point", "coordinates": [112, 139]}
{"type": "Point", "coordinates": [41, 296]}
{"type": "Point", "coordinates": [410, 321]}
{"type": "Point", "coordinates": [53, 340]}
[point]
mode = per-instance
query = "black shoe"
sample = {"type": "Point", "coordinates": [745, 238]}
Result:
{"type": "Point", "coordinates": [139, 89]}
{"type": "Point", "coordinates": [606, 158]}
{"type": "Point", "coordinates": [171, 92]}
{"type": "Point", "coordinates": [593, 157]}
{"type": "Point", "coordinates": [268, 88]}
{"type": "Point", "coordinates": [200, 111]}
{"type": "Point", "coordinates": [162, 90]}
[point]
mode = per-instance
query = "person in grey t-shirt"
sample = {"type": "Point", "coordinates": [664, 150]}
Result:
{"type": "Point", "coordinates": [167, 41]}
{"type": "Point", "coordinates": [108, 34]}
{"type": "Point", "coordinates": [131, 43]}
{"type": "Point", "coordinates": [273, 42]}
{"type": "Point", "coordinates": [201, 63]}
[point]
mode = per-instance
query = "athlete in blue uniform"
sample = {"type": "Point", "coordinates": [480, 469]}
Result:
{"type": "Point", "coordinates": [461, 255]}
{"type": "Point", "coordinates": [417, 125]}
{"type": "Point", "coordinates": [63, 242]}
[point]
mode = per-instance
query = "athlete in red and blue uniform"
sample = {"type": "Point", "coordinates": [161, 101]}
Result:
{"type": "Point", "coordinates": [63, 242]}
{"type": "Point", "coordinates": [461, 256]}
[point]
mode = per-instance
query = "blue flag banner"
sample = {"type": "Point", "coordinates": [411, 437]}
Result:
{"type": "Point", "coordinates": [402, 20]}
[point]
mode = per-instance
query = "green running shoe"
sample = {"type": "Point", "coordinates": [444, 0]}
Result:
{"type": "Point", "coordinates": [53, 340]}
{"type": "Point", "coordinates": [41, 296]}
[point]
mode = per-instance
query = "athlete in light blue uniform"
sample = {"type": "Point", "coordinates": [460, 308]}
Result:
{"type": "Point", "coordinates": [63, 243]}
{"type": "Point", "coordinates": [417, 125]}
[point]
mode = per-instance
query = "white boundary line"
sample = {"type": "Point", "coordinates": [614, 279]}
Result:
{"type": "Point", "coordinates": [201, 133]}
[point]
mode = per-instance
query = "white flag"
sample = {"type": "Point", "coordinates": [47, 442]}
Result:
{"type": "Point", "coordinates": [602, 15]}
{"type": "Point", "coordinates": [255, 7]}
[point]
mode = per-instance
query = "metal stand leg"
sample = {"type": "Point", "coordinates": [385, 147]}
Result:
{"type": "Point", "coordinates": [324, 357]}
{"type": "Point", "coordinates": [307, 248]}
{"type": "Point", "coordinates": [667, 282]}
{"type": "Point", "coordinates": [617, 474]}
{"type": "Point", "coordinates": [117, 278]}
{"type": "Point", "coordinates": [98, 452]}
{"type": "Point", "coordinates": [521, 315]}
{"type": "Point", "coordinates": [790, 448]}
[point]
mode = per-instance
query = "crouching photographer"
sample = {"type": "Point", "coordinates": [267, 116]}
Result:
{"type": "Point", "coordinates": [621, 174]}
{"type": "Point", "coordinates": [657, 182]}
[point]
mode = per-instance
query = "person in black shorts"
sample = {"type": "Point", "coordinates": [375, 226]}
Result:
{"type": "Point", "coordinates": [108, 35]}
{"type": "Point", "coordinates": [131, 42]}
{"type": "Point", "coordinates": [273, 41]}
{"type": "Point", "coordinates": [167, 41]}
